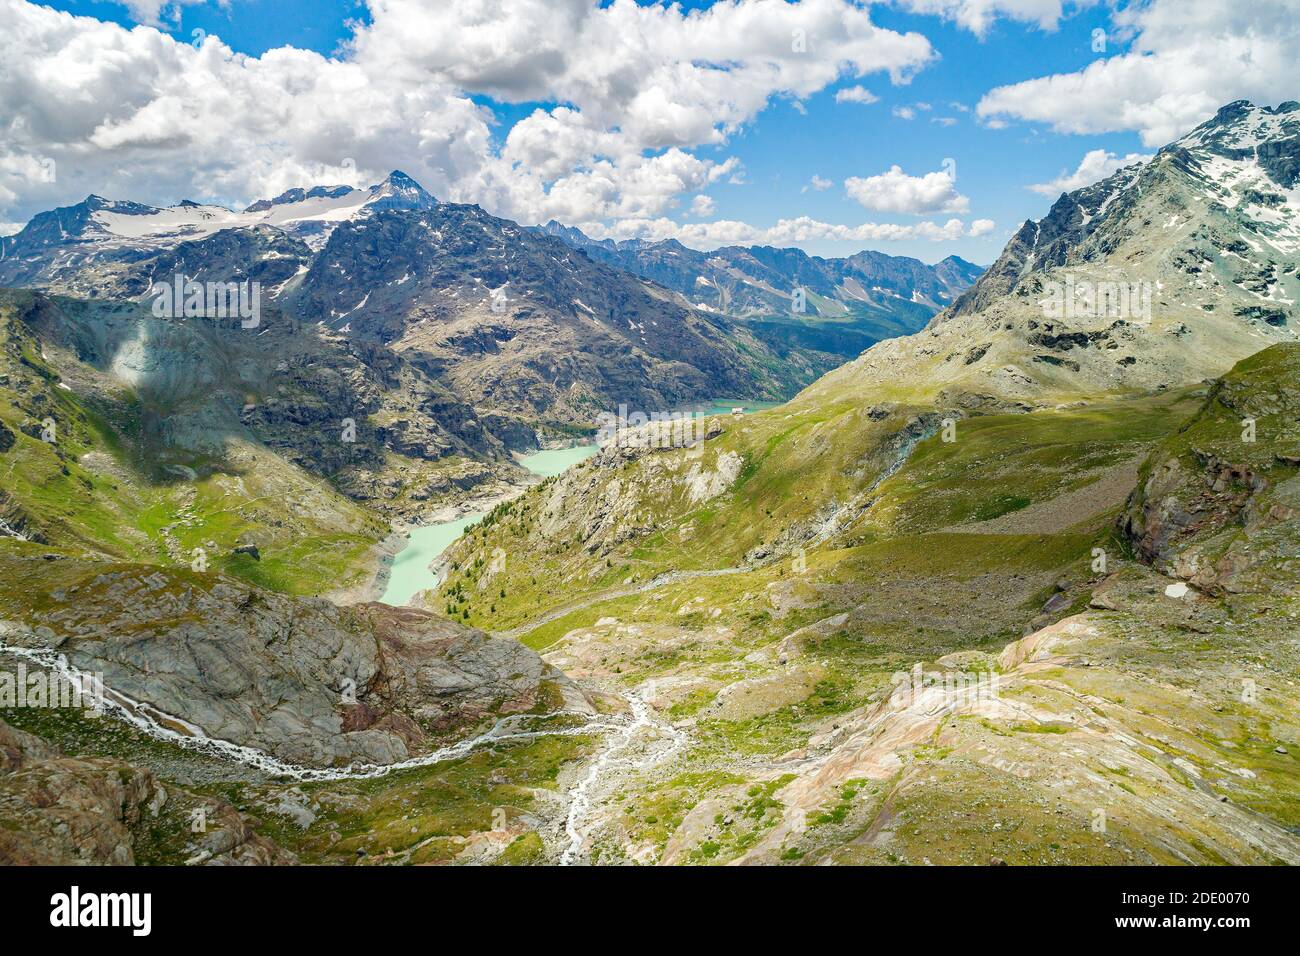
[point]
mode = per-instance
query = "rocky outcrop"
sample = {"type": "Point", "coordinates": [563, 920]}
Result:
{"type": "Point", "coordinates": [601, 502]}
{"type": "Point", "coordinates": [624, 445]}
{"type": "Point", "coordinates": [58, 810]}
{"type": "Point", "coordinates": [304, 680]}
{"type": "Point", "coordinates": [1223, 496]}
{"type": "Point", "coordinates": [1176, 502]}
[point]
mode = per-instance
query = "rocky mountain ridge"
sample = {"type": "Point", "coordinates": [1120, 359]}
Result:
{"type": "Point", "coordinates": [1174, 270]}
{"type": "Point", "coordinates": [1245, 161]}
{"type": "Point", "coordinates": [513, 323]}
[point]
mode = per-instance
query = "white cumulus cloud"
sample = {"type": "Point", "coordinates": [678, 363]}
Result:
{"type": "Point", "coordinates": [1095, 166]}
{"type": "Point", "coordinates": [855, 94]}
{"type": "Point", "coordinates": [154, 12]}
{"type": "Point", "coordinates": [702, 206]}
{"type": "Point", "coordinates": [1186, 59]}
{"type": "Point", "coordinates": [802, 229]}
{"type": "Point", "coordinates": [978, 15]}
{"type": "Point", "coordinates": [895, 191]}
{"type": "Point", "coordinates": [139, 114]}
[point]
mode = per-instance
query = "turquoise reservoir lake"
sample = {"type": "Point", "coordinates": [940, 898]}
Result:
{"type": "Point", "coordinates": [410, 572]}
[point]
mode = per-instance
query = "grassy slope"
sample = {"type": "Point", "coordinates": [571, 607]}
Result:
{"type": "Point", "coordinates": [914, 584]}
{"type": "Point", "coordinates": [795, 460]}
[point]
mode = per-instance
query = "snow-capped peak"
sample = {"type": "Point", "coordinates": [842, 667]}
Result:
{"type": "Point", "coordinates": [309, 212]}
{"type": "Point", "coordinates": [399, 191]}
{"type": "Point", "coordinates": [1241, 126]}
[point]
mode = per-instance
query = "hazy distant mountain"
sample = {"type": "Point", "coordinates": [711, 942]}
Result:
{"type": "Point", "coordinates": [876, 294]}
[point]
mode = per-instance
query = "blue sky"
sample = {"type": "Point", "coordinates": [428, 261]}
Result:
{"type": "Point", "coordinates": [247, 26]}
{"type": "Point", "coordinates": [769, 158]}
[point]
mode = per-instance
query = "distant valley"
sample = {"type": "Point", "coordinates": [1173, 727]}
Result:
{"type": "Point", "coordinates": [789, 298]}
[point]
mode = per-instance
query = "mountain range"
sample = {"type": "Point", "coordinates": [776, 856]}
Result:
{"type": "Point", "coordinates": [475, 337]}
{"type": "Point", "coordinates": [847, 304]}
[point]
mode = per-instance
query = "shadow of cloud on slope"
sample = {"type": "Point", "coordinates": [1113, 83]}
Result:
{"type": "Point", "coordinates": [172, 389]}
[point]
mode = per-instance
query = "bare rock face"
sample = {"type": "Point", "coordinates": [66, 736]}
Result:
{"type": "Point", "coordinates": [444, 674]}
{"type": "Point", "coordinates": [522, 324]}
{"type": "Point", "coordinates": [304, 680]}
{"type": "Point", "coordinates": [309, 395]}
{"type": "Point", "coordinates": [1160, 514]}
